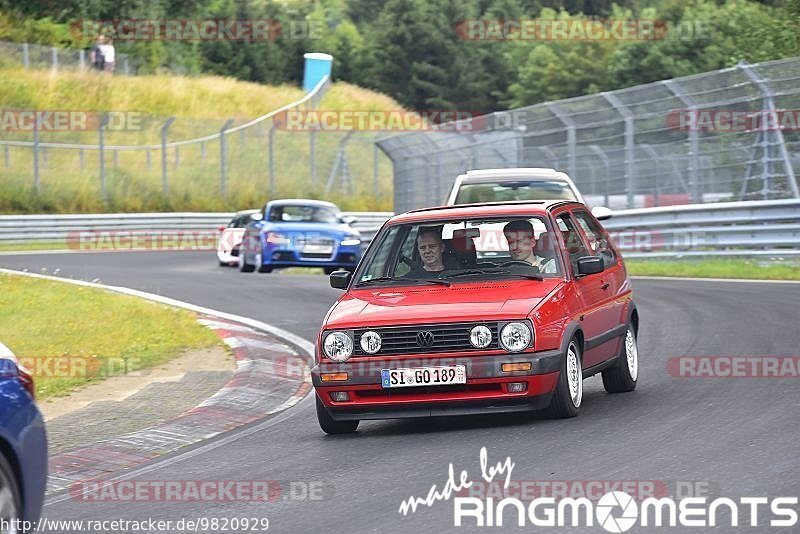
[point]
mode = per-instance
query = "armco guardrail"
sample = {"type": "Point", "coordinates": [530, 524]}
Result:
{"type": "Point", "coordinates": [57, 228]}
{"type": "Point", "coordinates": [751, 228]}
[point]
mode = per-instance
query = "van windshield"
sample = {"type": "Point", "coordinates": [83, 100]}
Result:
{"type": "Point", "coordinates": [508, 190]}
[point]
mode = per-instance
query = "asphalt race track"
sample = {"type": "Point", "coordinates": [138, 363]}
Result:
{"type": "Point", "coordinates": [737, 436]}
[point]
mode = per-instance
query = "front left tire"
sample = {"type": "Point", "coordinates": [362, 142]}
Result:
{"type": "Point", "coordinates": [10, 500]}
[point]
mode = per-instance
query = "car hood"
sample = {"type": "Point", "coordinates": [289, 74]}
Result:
{"type": "Point", "coordinates": [309, 228]}
{"type": "Point", "coordinates": [490, 300]}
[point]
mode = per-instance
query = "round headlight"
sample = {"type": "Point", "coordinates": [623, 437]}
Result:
{"type": "Point", "coordinates": [338, 346]}
{"type": "Point", "coordinates": [515, 337]}
{"type": "Point", "coordinates": [480, 337]}
{"type": "Point", "coordinates": [370, 342]}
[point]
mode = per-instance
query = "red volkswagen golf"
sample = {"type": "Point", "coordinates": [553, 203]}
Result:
{"type": "Point", "coordinates": [477, 309]}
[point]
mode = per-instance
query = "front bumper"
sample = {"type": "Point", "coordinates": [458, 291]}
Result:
{"type": "Point", "coordinates": [486, 390]}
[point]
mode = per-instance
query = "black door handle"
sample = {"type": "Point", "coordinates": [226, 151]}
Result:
{"type": "Point", "coordinates": [604, 286]}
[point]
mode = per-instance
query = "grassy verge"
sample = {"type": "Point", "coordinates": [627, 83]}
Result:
{"type": "Point", "coordinates": [69, 335]}
{"type": "Point", "coordinates": [34, 245]}
{"type": "Point", "coordinates": [69, 180]}
{"type": "Point", "coordinates": [715, 268]}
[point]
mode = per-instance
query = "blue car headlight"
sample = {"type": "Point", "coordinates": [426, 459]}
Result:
{"type": "Point", "coordinates": [277, 238]}
{"type": "Point", "coordinates": [351, 241]}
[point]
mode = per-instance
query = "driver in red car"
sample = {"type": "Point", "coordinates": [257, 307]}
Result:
{"type": "Point", "coordinates": [431, 251]}
{"type": "Point", "coordinates": [521, 244]}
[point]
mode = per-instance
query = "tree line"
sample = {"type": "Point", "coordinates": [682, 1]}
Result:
{"type": "Point", "coordinates": [440, 54]}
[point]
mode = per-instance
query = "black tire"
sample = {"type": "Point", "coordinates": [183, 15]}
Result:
{"type": "Point", "coordinates": [8, 481]}
{"type": "Point", "coordinates": [223, 263]}
{"type": "Point", "coordinates": [265, 269]}
{"type": "Point", "coordinates": [243, 265]}
{"type": "Point", "coordinates": [329, 425]}
{"type": "Point", "coordinates": [562, 404]}
{"type": "Point", "coordinates": [619, 378]}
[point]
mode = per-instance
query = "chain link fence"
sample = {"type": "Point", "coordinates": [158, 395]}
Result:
{"type": "Point", "coordinates": [200, 164]}
{"type": "Point", "coordinates": [33, 56]}
{"type": "Point", "coordinates": [701, 138]}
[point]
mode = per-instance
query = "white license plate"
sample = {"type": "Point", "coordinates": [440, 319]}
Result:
{"type": "Point", "coordinates": [424, 376]}
{"type": "Point", "coordinates": [318, 249]}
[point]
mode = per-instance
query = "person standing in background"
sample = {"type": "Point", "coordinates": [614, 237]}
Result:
{"type": "Point", "coordinates": [108, 55]}
{"type": "Point", "coordinates": [96, 54]}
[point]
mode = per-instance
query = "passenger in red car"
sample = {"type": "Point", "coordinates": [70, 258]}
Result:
{"type": "Point", "coordinates": [521, 244]}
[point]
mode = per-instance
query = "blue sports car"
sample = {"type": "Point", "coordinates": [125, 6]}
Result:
{"type": "Point", "coordinates": [23, 447]}
{"type": "Point", "coordinates": [300, 233]}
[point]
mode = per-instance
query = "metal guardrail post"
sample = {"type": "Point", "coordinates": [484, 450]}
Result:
{"type": "Point", "coordinates": [82, 59]}
{"type": "Point", "coordinates": [164, 179]}
{"type": "Point", "coordinates": [696, 191]}
{"type": "Point", "coordinates": [630, 163]}
{"type": "Point", "coordinates": [26, 56]}
{"type": "Point", "coordinates": [101, 143]}
{"type": "Point", "coordinates": [54, 55]}
{"type": "Point", "coordinates": [223, 186]}
{"type": "Point", "coordinates": [769, 100]}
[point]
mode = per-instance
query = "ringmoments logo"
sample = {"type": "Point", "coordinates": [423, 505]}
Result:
{"type": "Point", "coordinates": [615, 511]}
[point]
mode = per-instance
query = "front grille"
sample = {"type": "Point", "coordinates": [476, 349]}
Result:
{"type": "Point", "coordinates": [315, 256]}
{"type": "Point", "coordinates": [451, 337]}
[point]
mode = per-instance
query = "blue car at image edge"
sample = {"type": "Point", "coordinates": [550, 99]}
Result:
{"type": "Point", "coordinates": [300, 233]}
{"type": "Point", "coordinates": [23, 443]}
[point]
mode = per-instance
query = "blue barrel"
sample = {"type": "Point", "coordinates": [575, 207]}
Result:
{"type": "Point", "coordinates": [317, 66]}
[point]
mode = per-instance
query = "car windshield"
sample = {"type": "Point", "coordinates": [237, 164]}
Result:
{"type": "Point", "coordinates": [507, 190]}
{"type": "Point", "coordinates": [461, 251]}
{"type": "Point", "coordinates": [302, 213]}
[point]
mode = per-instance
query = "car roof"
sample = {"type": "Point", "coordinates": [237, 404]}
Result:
{"type": "Point", "coordinates": [302, 202]}
{"type": "Point", "coordinates": [487, 209]}
{"type": "Point", "coordinates": [245, 212]}
{"type": "Point", "coordinates": [516, 174]}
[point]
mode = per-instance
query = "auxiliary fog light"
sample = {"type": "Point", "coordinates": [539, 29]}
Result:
{"type": "Point", "coordinates": [517, 387]}
{"type": "Point", "coordinates": [340, 396]}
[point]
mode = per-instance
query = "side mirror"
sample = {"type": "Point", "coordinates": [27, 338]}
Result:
{"type": "Point", "coordinates": [348, 219]}
{"type": "Point", "coordinates": [601, 213]}
{"type": "Point", "coordinates": [590, 265]}
{"type": "Point", "coordinates": [256, 216]}
{"type": "Point", "coordinates": [340, 279]}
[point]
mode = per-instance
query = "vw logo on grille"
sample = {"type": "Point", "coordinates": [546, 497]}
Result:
{"type": "Point", "coordinates": [425, 338]}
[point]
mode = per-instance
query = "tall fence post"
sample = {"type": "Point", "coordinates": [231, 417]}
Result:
{"type": "Point", "coordinates": [570, 124]}
{"type": "Point", "coordinates": [312, 156]}
{"type": "Point", "coordinates": [82, 59]}
{"type": "Point", "coordinates": [164, 178]}
{"type": "Point", "coordinates": [769, 102]}
{"type": "Point", "coordinates": [101, 145]}
{"type": "Point", "coordinates": [695, 189]}
{"type": "Point", "coordinates": [37, 125]}
{"type": "Point", "coordinates": [26, 56]}
{"type": "Point", "coordinates": [630, 155]}
{"type": "Point", "coordinates": [271, 155]}
{"type": "Point", "coordinates": [223, 186]}
{"type": "Point", "coordinates": [54, 55]}
{"type": "Point", "coordinates": [375, 170]}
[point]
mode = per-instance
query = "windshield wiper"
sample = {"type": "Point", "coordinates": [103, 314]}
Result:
{"type": "Point", "coordinates": [403, 279]}
{"type": "Point", "coordinates": [496, 271]}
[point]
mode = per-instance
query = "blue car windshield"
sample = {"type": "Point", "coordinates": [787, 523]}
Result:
{"type": "Point", "coordinates": [300, 213]}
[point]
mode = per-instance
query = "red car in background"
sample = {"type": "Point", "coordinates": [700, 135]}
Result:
{"type": "Point", "coordinates": [475, 309]}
